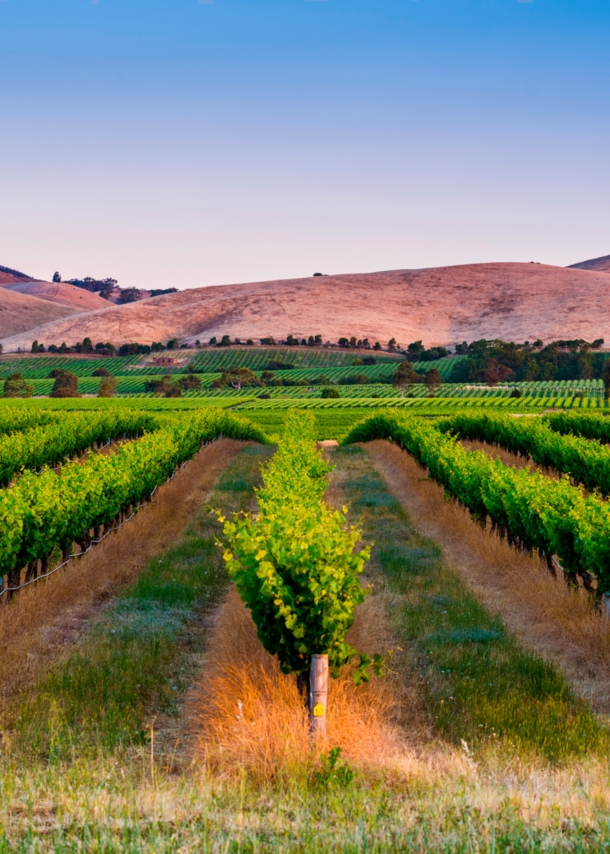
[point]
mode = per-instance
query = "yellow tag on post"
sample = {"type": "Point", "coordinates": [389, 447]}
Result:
{"type": "Point", "coordinates": [318, 710]}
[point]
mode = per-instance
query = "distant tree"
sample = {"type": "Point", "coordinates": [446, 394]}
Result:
{"type": "Point", "coordinates": [405, 377]}
{"type": "Point", "coordinates": [63, 348]}
{"type": "Point", "coordinates": [129, 295]}
{"type": "Point", "coordinates": [515, 393]}
{"type": "Point", "coordinates": [392, 345]}
{"type": "Point", "coordinates": [16, 386]}
{"type": "Point", "coordinates": [35, 347]}
{"type": "Point", "coordinates": [414, 350]}
{"type": "Point", "coordinates": [238, 378]}
{"type": "Point", "coordinates": [190, 382]}
{"type": "Point", "coordinates": [225, 341]}
{"type": "Point", "coordinates": [105, 349]}
{"type": "Point", "coordinates": [433, 380]}
{"type": "Point", "coordinates": [87, 345]}
{"type": "Point", "coordinates": [108, 386]}
{"type": "Point", "coordinates": [173, 390]}
{"type": "Point", "coordinates": [213, 341]}
{"type": "Point", "coordinates": [101, 372]}
{"type": "Point", "coordinates": [159, 292]}
{"type": "Point", "coordinates": [331, 392]}
{"type": "Point", "coordinates": [56, 277]}
{"type": "Point", "coordinates": [343, 342]}
{"type": "Point", "coordinates": [66, 384]}
{"type": "Point", "coordinates": [353, 343]}
{"type": "Point", "coordinates": [157, 346]}
{"type": "Point", "coordinates": [172, 344]}
{"type": "Point", "coordinates": [164, 387]}
{"type": "Point", "coordinates": [377, 346]}
{"type": "Point", "coordinates": [249, 342]}
{"type": "Point", "coordinates": [134, 349]}
{"type": "Point", "coordinates": [495, 373]}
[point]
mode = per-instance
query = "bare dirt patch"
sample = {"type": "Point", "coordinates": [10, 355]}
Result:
{"type": "Point", "coordinates": [549, 618]}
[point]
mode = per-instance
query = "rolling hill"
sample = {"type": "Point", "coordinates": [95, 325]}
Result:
{"type": "Point", "coordinates": [600, 265]}
{"type": "Point", "coordinates": [60, 293]}
{"type": "Point", "coordinates": [9, 276]}
{"type": "Point", "coordinates": [439, 305]}
{"type": "Point", "coordinates": [21, 312]}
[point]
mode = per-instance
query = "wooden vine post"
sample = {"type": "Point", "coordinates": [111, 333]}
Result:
{"type": "Point", "coordinates": [318, 695]}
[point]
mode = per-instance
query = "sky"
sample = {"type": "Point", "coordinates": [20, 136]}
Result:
{"type": "Point", "coordinates": [180, 143]}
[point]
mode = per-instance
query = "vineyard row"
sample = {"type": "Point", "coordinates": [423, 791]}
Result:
{"type": "Point", "coordinates": [42, 515]}
{"type": "Point", "coordinates": [529, 508]}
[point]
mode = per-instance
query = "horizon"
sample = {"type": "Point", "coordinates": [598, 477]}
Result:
{"type": "Point", "coordinates": [193, 144]}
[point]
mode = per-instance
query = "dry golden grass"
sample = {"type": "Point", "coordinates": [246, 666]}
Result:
{"type": "Point", "coordinates": [247, 714]}
{"type": "Point", "coordinates": [549, 618]}
{"type": "Point", "coordinates": [46, 619]}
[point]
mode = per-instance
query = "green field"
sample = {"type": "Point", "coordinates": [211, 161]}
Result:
{"type": "Point", "coordinates": [118, 733]}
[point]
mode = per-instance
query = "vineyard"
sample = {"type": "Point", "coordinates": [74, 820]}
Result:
{"type": "Point", "coordinates": [315, 630]}
{"type": "Point", "coordinates": [535, 512]}
{"type": "Point", "coordinates": [259, 358]}
{"type": "Point", "coordinates": [44, 512]}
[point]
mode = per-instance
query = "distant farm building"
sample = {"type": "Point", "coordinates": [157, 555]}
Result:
{"type": "Point", "coordinates": [165, 360]}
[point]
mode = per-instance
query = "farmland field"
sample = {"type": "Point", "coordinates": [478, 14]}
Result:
{"type": "Point", "coordinates": [141, 711]}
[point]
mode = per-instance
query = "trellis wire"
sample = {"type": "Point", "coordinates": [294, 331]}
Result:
{"type": "Point", "coordinates": [114, 528]}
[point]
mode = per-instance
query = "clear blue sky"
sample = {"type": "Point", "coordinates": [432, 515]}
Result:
{"type": "Point", "coordinates": [170, 142]}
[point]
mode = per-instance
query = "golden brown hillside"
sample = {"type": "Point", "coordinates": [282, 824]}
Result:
{"type": "Point", "coordinates": [9, 276]}
{"type": "Point", "coordinates": [439, 305]}
{"type": "Point", "coordinates": [20, 312]}
{"type": "Point", "coordinates": [60, 293]}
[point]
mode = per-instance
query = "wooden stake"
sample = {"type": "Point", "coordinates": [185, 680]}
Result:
{"type": "Point", "coordinates": [318, 695]}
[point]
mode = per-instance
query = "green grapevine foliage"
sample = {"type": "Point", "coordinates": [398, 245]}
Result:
{"type": "Point", "coordinates": [586, 460]}
{"type": "Point", "coordinates": [550, 515]}
{"type": "Point", "coordinates": [294, 564]}
{"type": "Point", "coordinates": [40, 512]}
{"type": "Point", "coordinates": [74, 432]}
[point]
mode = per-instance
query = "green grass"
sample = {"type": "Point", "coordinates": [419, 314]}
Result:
{"type": "Point", "coordinates": [99, 699]}
{"type": "Point", "coordinates": [481, 687]}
